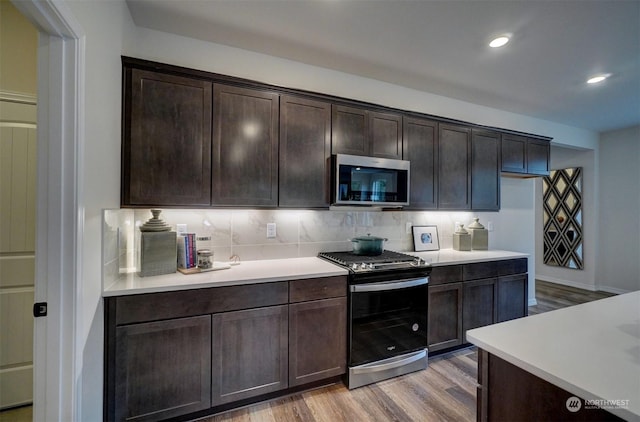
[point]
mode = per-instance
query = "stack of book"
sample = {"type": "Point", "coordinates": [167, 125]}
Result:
{"type": "Point", "coordinates": [187, 256]}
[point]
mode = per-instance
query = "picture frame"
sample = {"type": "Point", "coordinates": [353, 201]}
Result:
{"type": "Point", "coordinates": [425, 238]}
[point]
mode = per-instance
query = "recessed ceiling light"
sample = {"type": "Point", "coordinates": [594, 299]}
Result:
{"type": "Point", "coordinates": [598, 78]}
{"type": "Point", "coordinates": [499, 41]}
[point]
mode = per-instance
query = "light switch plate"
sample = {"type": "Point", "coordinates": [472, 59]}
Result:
{"type": "Point", "coordinates": [407, 227]}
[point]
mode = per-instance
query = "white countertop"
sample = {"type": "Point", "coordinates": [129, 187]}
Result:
{"type": "Point", "coordinates": [451, 256]}
{"type": "Point", "coordinates": [278, 270]}
{"type": "Point", "coordinates": [247, 272]}
{"type": "Point", "coordinates": [591, 350]}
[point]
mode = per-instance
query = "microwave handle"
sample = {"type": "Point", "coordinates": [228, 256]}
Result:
{"type": "Point", "coordinates": [378, 287]}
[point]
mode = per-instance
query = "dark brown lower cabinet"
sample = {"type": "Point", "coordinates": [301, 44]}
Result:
{"type": "Point", "coordinates": [509, 393]}
{"type": "Point", "coordinates": [478, 310]}
{"type": "Point", "coordinates": [249, 353]}
{"type": "Point", "coordinates": [463, 297]}
{"type": "Point", "coordinates": [512, 301]}
{"type": "Point", "coordinates": [171, 354]}
{"type": "Point", "coordinates": [163, 369]}
{"type": "Point", "coordinates": [317, 340]}
{"type": "Point", "coordinates": [445, 316]}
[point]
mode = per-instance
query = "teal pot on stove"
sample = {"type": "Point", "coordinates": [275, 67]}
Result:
{"type": "Point", "coordinates": [368, 245]}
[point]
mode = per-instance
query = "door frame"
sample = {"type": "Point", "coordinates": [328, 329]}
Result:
{"type": "Point", "coordinates": [59, 216]}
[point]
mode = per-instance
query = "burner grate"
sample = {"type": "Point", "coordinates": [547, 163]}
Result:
{"type": "Point", "coordinates": [348, 258]}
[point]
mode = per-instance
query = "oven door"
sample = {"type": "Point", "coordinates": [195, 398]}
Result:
{"type": "Point", "coordinates": [387, 319]}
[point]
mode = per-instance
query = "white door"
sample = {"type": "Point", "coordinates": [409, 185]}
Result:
{"type": "Point", "coordinates": [17, 251]}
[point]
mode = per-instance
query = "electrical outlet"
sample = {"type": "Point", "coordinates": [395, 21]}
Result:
{"type": "Point", "coordinates": [490, 226]}
{"type": "Point", "coordinates": [271, 230]}
{"type": "Point", "coordinates": [407, 227]}
{"type": "Point", "coordinates": [181, 228]}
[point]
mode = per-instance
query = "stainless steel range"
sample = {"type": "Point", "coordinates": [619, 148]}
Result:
{"type": "Point", "coordinates": [387, 314]}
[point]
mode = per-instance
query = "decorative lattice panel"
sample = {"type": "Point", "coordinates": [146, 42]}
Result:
{"type": "Point", "coordinates": [562, 218]}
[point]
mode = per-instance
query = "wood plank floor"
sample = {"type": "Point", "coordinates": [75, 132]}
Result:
{"type": "Point", "coordinates": [446, 391]}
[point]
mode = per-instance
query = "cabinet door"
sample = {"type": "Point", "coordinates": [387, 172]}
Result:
{"type": "Point", "coordinates": [317, 340]}
{"type": "Point", "coordinates": [479, 308]}
{"type": "Point", "coordinates": [538, 157]}
{"type": "Point", "coordinates": [305, 152]}
{"type": "Point", "coordinates": [512, 297]}
{"type": "Point", "coordinates": [420, 147]}
{"type": "Point", "coordinates": [163, 369]}
{"type": "Point", "coordinates": [249, 353]}
{"type": "Point", "coordinates": [514, 154]}
{"type": "Point", "coordinates": [349, 130]}
{"type": "Point", "coordinates": [166, 147]}
{"type": "Point", "coordinates": [445, 316]}
{"type": "Point", "coordinates": [245, 147]}
{"type": "Point", "coordinates": [485, 170]}
{"type": "Point", "coordinates": [454, 170]}
{"type": "Point", "coordinates": [385, 135]}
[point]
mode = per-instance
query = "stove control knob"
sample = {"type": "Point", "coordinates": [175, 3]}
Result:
{"type": "Point", "coordinates": [354, 266]}
{"type": "Point", "coordinates": [371, 266]}
{"type": "Point", "coordinates": [363, 266]}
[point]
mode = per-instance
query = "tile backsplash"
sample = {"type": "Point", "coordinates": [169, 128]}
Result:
{"type": "Point", "coordinates": [299, 233]}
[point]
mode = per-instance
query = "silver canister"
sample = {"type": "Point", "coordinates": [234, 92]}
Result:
{"type": "Point", "coordinates": [205, 259]}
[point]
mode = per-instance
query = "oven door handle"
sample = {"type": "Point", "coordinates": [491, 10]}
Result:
{"type": "Point", "coordinates": [378, 287]}
{"type": "Point", "coordinates": [389, 364]}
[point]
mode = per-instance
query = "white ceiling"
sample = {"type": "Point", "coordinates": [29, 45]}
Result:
{"type": "Point", "coordinates": [441, 47]}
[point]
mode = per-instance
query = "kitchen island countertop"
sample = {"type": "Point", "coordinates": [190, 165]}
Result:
{"type": "Point", "coordinates": [591, 350]}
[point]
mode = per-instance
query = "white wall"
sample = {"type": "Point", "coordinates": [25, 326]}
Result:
{"type": "Point", "coordinates": [106, 25]}
{"type": "Point", "coordinates": [619, 222]}
{"type": "Point", "coordinates": [515, 223]}
{"type": "Point", "coordinates": [110, 33]}
{"type": "Point", "coordinates": [586, 279]}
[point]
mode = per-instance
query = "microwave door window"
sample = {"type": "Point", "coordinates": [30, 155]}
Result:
{"type": "Point", "coordinates": [367, 184]}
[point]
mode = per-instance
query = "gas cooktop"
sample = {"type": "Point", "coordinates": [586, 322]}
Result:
{"type": "Point", "coordinates": [388, 260]}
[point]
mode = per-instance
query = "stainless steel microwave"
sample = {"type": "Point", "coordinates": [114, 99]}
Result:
{"type": "Point", "coordinates": [373, 181]}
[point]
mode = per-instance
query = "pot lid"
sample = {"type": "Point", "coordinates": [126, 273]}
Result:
{"type": "Point", "coordinates": [368, 238]}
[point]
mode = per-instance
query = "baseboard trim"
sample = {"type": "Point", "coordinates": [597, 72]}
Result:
{"type": "Point", "coordinates": [590, 287]}
{"type": "Point", "coordinates": [577, 285]}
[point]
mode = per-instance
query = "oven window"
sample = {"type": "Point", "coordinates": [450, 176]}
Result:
{"type": "Point", "coordinates": [387, 323]}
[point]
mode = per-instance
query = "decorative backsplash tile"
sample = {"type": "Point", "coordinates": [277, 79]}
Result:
{"type": "Point", "coordinates": [299, 233]}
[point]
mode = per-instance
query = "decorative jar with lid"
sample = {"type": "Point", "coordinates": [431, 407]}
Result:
{"type": "Point", "coordinates": [479, 236]}
{"type": "Point", "coordinates": [461, 239]}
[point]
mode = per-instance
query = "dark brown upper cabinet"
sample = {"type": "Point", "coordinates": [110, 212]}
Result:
{"type": "Point", "coordinates": [454, 167]}
{"type": "Point", "coordinates": [245, 147]}
{"type": "Point", "coordinates": [359, 131]}
{"type": "Point", "coordinates": [305, 152]}
{"type": "Point", "coordinates": [485, 170]}
{"type": "Point", "coordinates": [421, 148]}
{"type": "Point", "coordinates": [166, 143]}
{"type": "Point", "coordinates": [538, 152]}
{"type": "Point", "coordinates": [198, 139]}
{"type": "Point", "coordinates": [525, 156]}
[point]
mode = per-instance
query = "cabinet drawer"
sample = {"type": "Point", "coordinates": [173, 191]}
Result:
{"type": "Point", "coordinates": [512, 266]}
{"type": "Point", "coordinates": [446, 274]}
{"type": "Point", "coordinates": [479, 270]}
{"type": "Point", "coordinates": [317, 288]}
{"type": "Point", "coordinates": [165, 305]}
